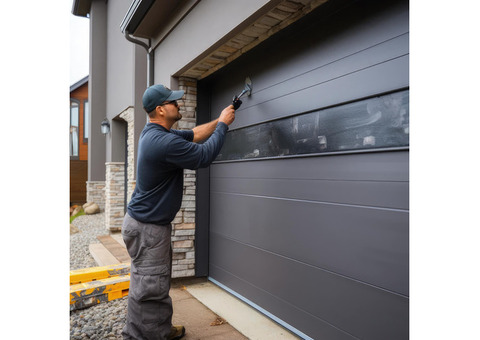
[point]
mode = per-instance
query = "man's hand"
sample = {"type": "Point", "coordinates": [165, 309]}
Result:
{"type": "Point", "coordinates": [228, 115]}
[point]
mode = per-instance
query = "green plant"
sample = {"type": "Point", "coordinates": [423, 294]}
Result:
{"type": "Point", "coordinates": [80, 213]}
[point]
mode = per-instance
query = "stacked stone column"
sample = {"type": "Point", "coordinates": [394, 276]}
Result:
{"type": "Point", "coordinates": [114, 195]}
{"type": "Point", "coordinates": [183, 226]}
{"type": "Point", "coordinates": [127, 116]}
{"type": "Point", "coordinates": [96, 193]}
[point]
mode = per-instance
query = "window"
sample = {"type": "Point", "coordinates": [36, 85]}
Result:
{"type": "Point", "coordinates": [86, 120]}
{"type": "Point", "coordinates": [74, 109]}
{"type": "Point", "coordinates": [373, 123]}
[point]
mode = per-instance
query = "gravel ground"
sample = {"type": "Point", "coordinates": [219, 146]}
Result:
{"type": "Point", "coordinates": [106, 320]}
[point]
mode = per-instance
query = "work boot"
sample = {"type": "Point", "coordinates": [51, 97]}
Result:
{"type": "Point", "coordinates": [176, 332]}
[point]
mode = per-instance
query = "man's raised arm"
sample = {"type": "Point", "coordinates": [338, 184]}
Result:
{"type": "Point", "coordinates": [202, 132]}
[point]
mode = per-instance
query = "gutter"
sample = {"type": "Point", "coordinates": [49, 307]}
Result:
{"type": "Point", "coordinates": [150, 56]}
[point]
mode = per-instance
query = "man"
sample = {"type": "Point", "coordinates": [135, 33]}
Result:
{"type": "Point", "coordinates": [163, 153]}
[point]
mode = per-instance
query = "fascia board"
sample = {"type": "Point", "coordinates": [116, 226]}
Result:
{"type": "Point", "coordinates": [135, 14]}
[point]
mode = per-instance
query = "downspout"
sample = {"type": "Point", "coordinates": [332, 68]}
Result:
{"type": "Point", "coordinates": [150, 68]}
{"type": "Point", "coordinates": [150, 56]}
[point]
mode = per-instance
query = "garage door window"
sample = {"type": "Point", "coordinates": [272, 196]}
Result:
{"type": "Point", "coordinates": [380, 122]}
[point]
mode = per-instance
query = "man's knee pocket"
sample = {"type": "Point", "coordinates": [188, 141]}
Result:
{"type": "Point", "coordinates": [150, 283]}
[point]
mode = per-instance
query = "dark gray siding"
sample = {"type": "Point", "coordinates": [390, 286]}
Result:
{"type": "Point", "coordinates": [320, 241]}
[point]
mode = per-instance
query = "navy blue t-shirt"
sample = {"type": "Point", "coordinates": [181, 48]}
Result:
{"type": "Point", "coordinates": [162, 156]}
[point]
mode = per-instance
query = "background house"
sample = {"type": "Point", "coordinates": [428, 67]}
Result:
{"type": "Point", "coordinates": [305, 214]}
{"type": "Point", "coordinates": [79, 141]}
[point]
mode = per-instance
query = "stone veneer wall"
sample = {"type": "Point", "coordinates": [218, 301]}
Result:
{"type": "Point", "coordinates": [127, 116]}
{"type": "Point", "coordinates": [114, 195]}
{"type": "Point", "coordinates": [183, 226]}
{"type": "Point", "coordinates": [131, 187]}
{"type": "Point", "coordinates": [96, 193]}
{"type": "Point", "coordinates": [115, 179]}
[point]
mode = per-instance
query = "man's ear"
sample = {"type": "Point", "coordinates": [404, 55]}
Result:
{"type": "Point", "coordinates": [160, 111]}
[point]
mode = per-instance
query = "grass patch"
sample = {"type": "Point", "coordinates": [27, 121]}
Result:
{"type": "Point", "coordinates": [80, 213]}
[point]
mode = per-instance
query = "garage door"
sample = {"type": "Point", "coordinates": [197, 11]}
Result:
{"type": "Point", "coordinates": [308, 211]}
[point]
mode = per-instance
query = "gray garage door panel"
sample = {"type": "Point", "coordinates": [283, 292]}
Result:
{"type": "Point", "coordinates": [361, 75]}
{"type": "Point", "coordinates": [375, 166]}
{"type": "Point", "coordinates": [370, 245]}
{"type": "Point", "coordinates": [356, 308]}
{"type": "Point", "coordinates": [378, 54]}
{"type": "Point", "coordinates": [328, 179]}
{"type": "Point", "coordinates": [363, 83]}
{"type": "Point", "coordinates": [377, 194]}
{"type": "Point", "coordinates": [384, 77]}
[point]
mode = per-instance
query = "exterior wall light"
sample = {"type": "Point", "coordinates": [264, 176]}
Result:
{"type": "Point", "coordinates": [105, 126]}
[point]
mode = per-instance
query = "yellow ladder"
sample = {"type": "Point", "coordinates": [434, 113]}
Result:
{"type": "Point", "coordinates": [91, 286]}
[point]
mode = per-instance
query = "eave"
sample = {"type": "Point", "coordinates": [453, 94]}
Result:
{"type": "Point", "coordinates": [81, 8]}
{"type": "Point", "coordinates": [135, 14]}
{"type": "Point", "coordinates": [282, 15]}
{"type": "Point", "coordinates": [143, 17]}
{"type": "Point", "coordinates": [79, 83]}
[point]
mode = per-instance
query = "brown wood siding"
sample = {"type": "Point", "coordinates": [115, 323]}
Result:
{"type": "Point", "coordinates": [78, 179]}
{"type": "Point", "coordinates": [79, 168]}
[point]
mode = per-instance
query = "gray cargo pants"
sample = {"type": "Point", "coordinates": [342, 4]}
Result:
{"type": "Point", "coordinates": [149, 311]}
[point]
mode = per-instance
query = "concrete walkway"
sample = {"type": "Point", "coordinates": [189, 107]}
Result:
{"type": "Point", "coordinates": [209, 312]}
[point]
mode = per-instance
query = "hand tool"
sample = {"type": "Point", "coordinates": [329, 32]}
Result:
{"type": "Point", "coordinates": [248, 90]}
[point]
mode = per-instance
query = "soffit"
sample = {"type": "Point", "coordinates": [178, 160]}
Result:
{"type": "Point", "coordinates": [160, 16]}
{"type": "Point", "coordinates": [281, 16]}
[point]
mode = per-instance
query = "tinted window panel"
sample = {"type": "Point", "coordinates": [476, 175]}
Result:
{"type": "Point", "coordinates": [379, 122]}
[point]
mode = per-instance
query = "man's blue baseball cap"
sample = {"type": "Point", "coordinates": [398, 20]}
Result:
{"type": "Point", "coordinates": [157, 94]}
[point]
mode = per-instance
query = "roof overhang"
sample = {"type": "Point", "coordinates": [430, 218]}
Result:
{"type": "Point", "coordinates": [147, 18]}
{"type": "Point", "coordinates": [78, 84]}
{"type": "Point", "coordinates": [135, 14]}
{"type": "Point", "coordinates": [81, 8]}
{"type": "Point", "coordinates": [262, 27]}
{"type": "Point", "coordinates": [156, 19]}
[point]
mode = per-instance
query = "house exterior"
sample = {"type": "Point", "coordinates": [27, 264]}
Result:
{"type": "Point", "coordinates": [305, 212]}
{"type": "Point", "coordinates": [78, 141]}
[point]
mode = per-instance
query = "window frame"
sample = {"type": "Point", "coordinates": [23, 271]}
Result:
{"type": "Point", "coordinates": [76, 101]}
{"type": "Point", "coordinates": [86, 120]}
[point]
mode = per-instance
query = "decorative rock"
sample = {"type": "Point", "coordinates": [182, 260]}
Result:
{"type": "Point", "coordinates": [73, 229]}
{"type": "Point", "coordinates": [87, 204]}
{"type": "Point", "coordinates": [92, 209]}
{"type": "Point", "coordinates": [76, 210]}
